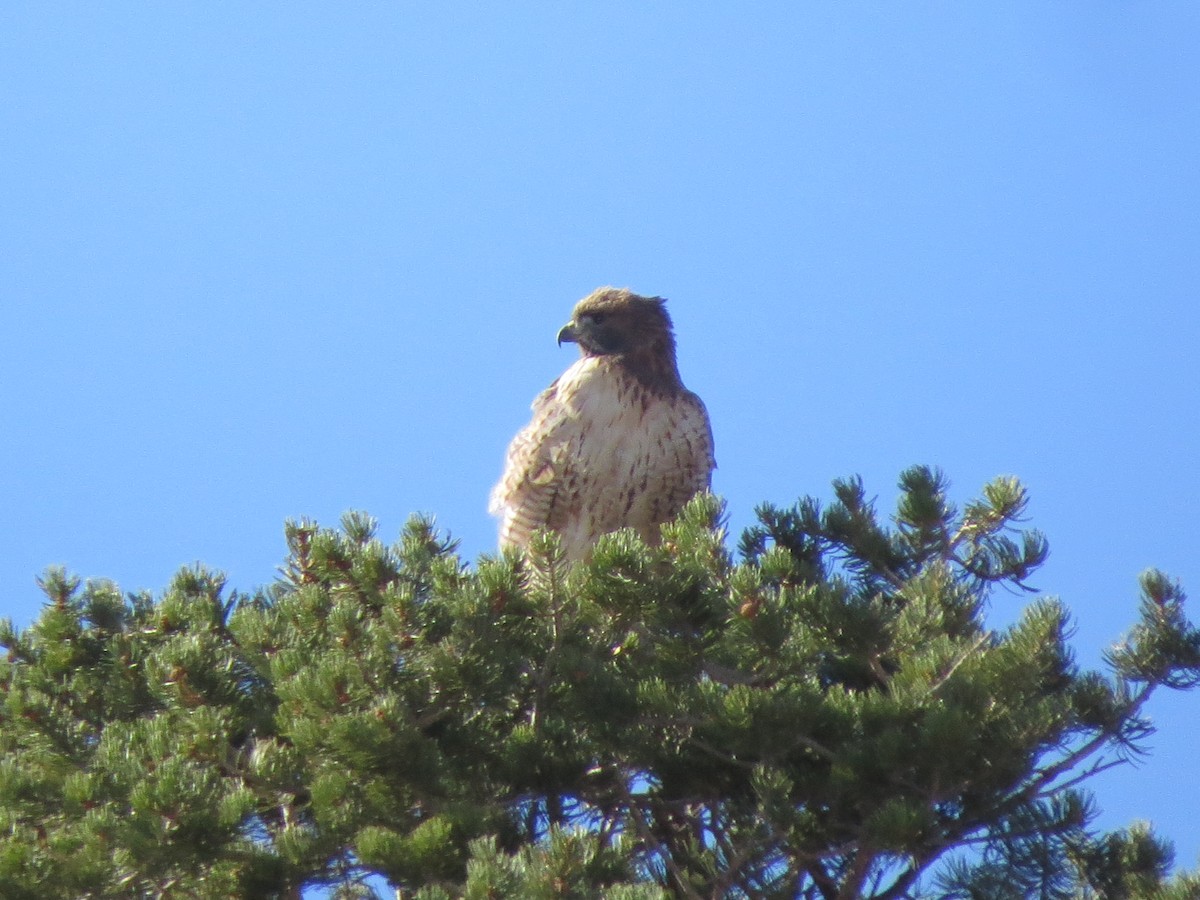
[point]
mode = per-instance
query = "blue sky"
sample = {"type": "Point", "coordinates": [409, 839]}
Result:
{"type": "Point", "coordinates": [287, 260]}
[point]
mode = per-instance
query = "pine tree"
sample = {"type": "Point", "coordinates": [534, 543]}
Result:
{"type": "Point", "coordinates": [825, 715]}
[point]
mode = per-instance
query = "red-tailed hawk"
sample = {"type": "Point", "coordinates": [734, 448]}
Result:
{"type": "Point", "coordinates": [616, 441]}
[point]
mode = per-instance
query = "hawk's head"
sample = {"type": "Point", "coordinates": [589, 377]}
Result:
{"type": "Point", "coordinates": [617, 322]}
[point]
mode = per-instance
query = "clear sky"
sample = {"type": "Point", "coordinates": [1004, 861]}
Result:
{"type": "Point", "coordinates": [274, 260]}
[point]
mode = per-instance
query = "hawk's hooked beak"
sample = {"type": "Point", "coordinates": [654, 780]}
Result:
{"type": "Point", "coordinates": [567, 335]}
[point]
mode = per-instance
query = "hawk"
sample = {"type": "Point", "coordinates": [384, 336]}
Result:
{"type": "Point", "coordinates": [616, 441]}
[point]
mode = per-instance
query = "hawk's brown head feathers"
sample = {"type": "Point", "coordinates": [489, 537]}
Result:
{"type": "Point", "coordinates": [616, 322]}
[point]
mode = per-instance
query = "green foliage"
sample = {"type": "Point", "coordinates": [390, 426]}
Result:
{"type": "Point", "coordinates": [826, 715]}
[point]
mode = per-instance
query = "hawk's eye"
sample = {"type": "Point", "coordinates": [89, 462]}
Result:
{"type": "Point", "coordinates": [597, 318]}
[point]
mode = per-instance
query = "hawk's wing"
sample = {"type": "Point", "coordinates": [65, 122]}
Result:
{"type": "Point", "coordinates": [534, 490]}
